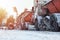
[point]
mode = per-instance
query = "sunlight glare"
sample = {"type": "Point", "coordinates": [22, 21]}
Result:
{"type": "Point", "coordinates": [20, 5]}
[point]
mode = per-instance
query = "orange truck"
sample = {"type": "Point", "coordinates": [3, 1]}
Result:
{"type": "Point", "coordinates": [24, 18]}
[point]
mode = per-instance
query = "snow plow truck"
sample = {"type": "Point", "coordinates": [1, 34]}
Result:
{"type": "Point", "coordinates": [47, 15]}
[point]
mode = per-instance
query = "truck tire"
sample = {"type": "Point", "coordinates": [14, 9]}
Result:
{"type": "Point", "coordinates": [53, 23]}
{"type": "Point", "coordinates": [41, 26]}
{"type": "Point", "coordinates": [45, 24]}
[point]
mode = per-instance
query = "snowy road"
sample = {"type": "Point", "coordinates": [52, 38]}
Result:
{"type": "Point", "coordinates": [28, 35]}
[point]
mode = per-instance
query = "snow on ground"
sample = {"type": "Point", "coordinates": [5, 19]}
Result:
{"type": "Point", "coordinates": [28, 35]}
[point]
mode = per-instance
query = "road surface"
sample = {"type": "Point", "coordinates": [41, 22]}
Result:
{"type": "Point", "coordinates": [28, 35]}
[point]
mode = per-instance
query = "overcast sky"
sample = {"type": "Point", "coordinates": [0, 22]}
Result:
{"type": "Point", "coordinates": [20, 4]}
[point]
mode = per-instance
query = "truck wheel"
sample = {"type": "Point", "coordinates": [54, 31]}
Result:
{"type": "Point", "coordinates": [54, 24]}
{"type": "Point", "coordinates": [45, 24]}
{"type": "Point", "coordinates": [41, 26]}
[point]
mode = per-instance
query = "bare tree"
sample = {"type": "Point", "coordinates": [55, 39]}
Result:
{"type": "Point", "coordinates": [2, 15]}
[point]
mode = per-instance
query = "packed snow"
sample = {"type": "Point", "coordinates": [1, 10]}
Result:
{"type": "Point", "coordinates": [28, 35]}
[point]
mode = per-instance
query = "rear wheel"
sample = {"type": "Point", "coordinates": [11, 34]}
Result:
{"type": "Point", "coordinates": [53, 23]}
